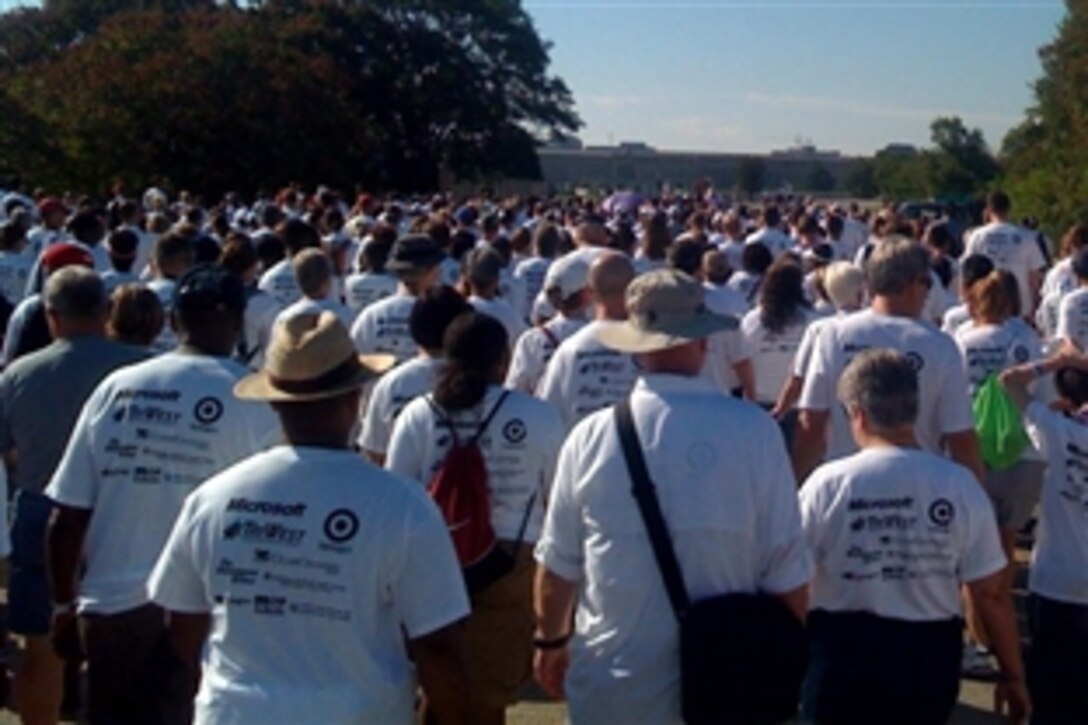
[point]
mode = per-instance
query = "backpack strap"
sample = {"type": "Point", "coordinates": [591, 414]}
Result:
{"type": "Point", "coordinates": [490, 416]}
{"type": "Point", "coordinates": [552, 337]}
{"type": "Point", "coordinates": [443, 419]}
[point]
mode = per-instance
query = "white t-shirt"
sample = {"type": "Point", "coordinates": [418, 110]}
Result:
{"type": "Point", "coordinates": [261, 312]}
{"type": "Point", "coordinates": [773, 352]}
{"type": "Point", "coordinates": [310, 562]}
{"type": "Point", "coordinates": [1059, 279]}
{"type": "Point", "coordinates": [989, 349]}
{"type": "Point", "coordinates": [14, 273]}
{"type": "Point", "coordinates": [279, 282]}
{"type": "Point", "coordinates": [310, 306]}
{"type": "Point", "coordinates": [895, 532]}
{"type": "Point", "coordinates": [502, 311]}
{"type": "Point", "coordinates": [390, 394]}
{"type": "Point", "coordinates": [584, 376]}
{"type": "Point", "coordinates": [808, 342]}
{"type": "Point", "coordinates": [534, 349]}
{"type": "Point", "coordinates": [734, 522]}
{"type": "Point", "coordinates": [363, 290]}
{"type": "Point", "coordinates": [1010, 248]}
{"type": "Point", "coordinates": [776, 241]}
{"type": "Point", "coordinates": [383, 328]}
{"type": "Point", "coordinates": [148, 435]}
{"type": "Point", "coordinates": [164, 289]}
{"type": "Point", "coordinates": [747, 285]}
{"type": "Point", "coordinates": [531, 272]}
{"type": "Point", "coordinates": [943, 402]}
{"type": "Point", "coordinates": [1046, 317]}
{"type": "Point", "coordinates": [1059, 563]}
{"type": "Point", "coordinates": [112, 279]}
{"type": "Point", "coordinates": [519, 448]}
{"type": "Point", "coordinates": [1073, 317]}
{"type": "Point", "coordinates": [953, 318]}
{"type": "Point", "coordinates": [733, 249]}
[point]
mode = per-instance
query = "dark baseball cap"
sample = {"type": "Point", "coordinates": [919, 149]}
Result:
{"type": "Point", "coordinates": [414, 252]}
{"type": "Point", "coordinates": [206, 287]}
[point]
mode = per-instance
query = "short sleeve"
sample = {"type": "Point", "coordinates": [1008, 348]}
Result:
{"type": "Point", "coordinates": [803, 356]}
{"type": "Point", "coordinates": [954, 407]}
{"type": "Point", "coordinates": [5, 534]}
{"type": "Point", "coordinates": [1044, 427]}
{"type": "Point", "coordinates": [429, 589]}
{"type": "Point", "coordinates": [361, 333]}
{"type": "Point", "coordinates": [982, 555]}
{"type": "Point", "coordinates": [559, 549]}
{"type": "Point", "coordinates": [523, 372]}
{"type": "Point", "coordinates": [405, 456]}
{"type": "Point", "coordinates": [810, 501]}
{"type": "Point", "coordinates": [1065, 323]}
{"type": "Point", "coordinates": [176, 583]}
{"type": "Point", "coordinates": [7, 442]}
{"type": "Point", "coordinates": [375, 433]}
{"type": "Point", "coordinates": [550, 389]}
{"type": "Point", "coordinates": [1033, 254]}
{"type": "Point", "coordinates": [786, 563]}
{"type": "Point", "coordinates": [818, 392]}
{"type": "Point", "coordinates": [75, 482]}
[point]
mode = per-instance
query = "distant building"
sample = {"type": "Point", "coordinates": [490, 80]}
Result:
{"type": "Point", "coordinates": [636, 165]}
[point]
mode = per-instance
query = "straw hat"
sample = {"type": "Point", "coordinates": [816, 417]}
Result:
{"type": "Point", "coordinates": [665, 308]}
{"type": "Point", "coordinates": [311, 357]}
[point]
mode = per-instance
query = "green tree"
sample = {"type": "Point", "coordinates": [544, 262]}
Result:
{"type": "Point", "coordinates": [387, 93]}
{"type": "Point", "coordinates": [819, 179]}
{"type": "Point", "coordinates": [1046, 157]}
{"type": "Point", "coordinates": [860, 179]}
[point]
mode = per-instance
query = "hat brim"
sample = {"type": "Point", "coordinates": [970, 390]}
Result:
{"type": "Point", "coordinates": [628, 338]}
{"type": "Point", "coordinates": [423, 262]}
{"type": "Point", "coordinates": [258, 387]}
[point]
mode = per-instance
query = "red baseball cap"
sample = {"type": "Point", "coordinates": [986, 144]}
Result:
{"type": "Point", "coordinates": [65, 254]}
{"type": "Point", "coordinates": [51, 204]}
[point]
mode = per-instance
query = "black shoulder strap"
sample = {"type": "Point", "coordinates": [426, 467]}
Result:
{"type": "Point", "coordinates": [642, 488]}
{"type": "Point", "coordinates": [443, 419]}
{"type": "Point", "coordinates": [490, 416]}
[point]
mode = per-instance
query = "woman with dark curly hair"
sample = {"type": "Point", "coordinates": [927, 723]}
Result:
{"type": "Point", "coordinates": [774, 330]}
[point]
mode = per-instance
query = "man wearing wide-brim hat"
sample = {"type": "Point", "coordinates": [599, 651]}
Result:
{"type": "Point", "coordinates": [726, 490]}
{"type": "Point", "coordinates": [305, 568]}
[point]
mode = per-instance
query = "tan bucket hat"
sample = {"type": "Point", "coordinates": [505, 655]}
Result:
{"type": "Point", "coordinates": [311, 357]}
{"type": "Point", "coordinates": [665, 308]}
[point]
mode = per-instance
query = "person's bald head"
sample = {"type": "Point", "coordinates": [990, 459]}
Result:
{"type": "Point", "coordinates": [592, 234]}
{"type": "Point", "coordinates": [609, 276]}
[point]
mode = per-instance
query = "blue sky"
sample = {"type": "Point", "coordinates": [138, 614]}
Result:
{"type": "Point", "coordinates": [729, 75]}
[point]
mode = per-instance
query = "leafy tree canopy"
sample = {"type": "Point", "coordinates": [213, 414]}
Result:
{"type": "Point", "coordinates": [385, 93]}
{"type": "Point", "coordinates": [1045, 158]}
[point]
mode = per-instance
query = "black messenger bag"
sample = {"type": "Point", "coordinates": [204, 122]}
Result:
{"type": "Point", "coordinates": [742, 656]}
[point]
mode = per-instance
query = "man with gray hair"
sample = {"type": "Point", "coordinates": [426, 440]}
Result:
{"type": "Point", "coordinates": [32, 439]}
{"type": "Point", "coordinates": [896, 531]}
{"type": "Point", "coordinates": [899, 282]}
{"type": "Point", "coordinates": [722, 480]}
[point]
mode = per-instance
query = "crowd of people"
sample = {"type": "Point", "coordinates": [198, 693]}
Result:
{"type": "Point", "coordinates": [220, 424]}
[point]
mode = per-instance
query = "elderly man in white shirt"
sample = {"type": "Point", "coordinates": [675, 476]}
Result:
{"type": "Point", "coordinates": [725, 488]}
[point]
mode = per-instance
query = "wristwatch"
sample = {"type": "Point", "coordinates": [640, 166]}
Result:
{"type": "Point", "coordinates": [556, 643]}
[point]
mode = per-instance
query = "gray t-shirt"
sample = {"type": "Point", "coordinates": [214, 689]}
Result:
{"type": "Point", "coordinates": [41, 396]}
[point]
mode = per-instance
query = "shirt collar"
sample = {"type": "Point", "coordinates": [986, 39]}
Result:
{"type": "Point", "coordinates": [672, 383]}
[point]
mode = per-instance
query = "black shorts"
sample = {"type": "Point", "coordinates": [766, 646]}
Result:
{"type": "Point", "coordinates": [864, 668]}
{"type": "Point", "coordinates": [1057, 664]}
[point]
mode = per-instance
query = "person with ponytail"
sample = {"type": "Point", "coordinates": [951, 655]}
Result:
{"type": "Point", "coordinates": [994, 340]}
{"type": "Point", "coordinates": [519, 438]}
